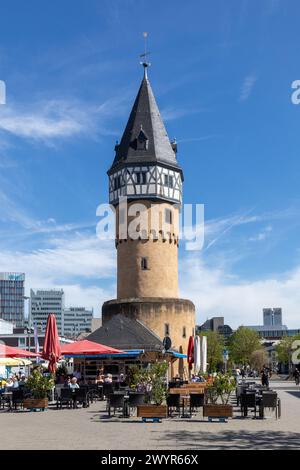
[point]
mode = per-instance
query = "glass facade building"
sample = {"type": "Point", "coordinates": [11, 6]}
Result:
{"type": "Point", "coordinates": [12, 297]}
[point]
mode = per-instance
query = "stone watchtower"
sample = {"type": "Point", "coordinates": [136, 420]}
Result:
{"type": "Point", "coordinates": [145, 174]}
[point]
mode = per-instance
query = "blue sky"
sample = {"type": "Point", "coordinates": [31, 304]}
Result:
{"type": "Point", "coordinates": [222, 73]}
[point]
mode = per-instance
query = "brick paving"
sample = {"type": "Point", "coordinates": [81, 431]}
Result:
{"type": "Point", "coordinates": [91, 429]}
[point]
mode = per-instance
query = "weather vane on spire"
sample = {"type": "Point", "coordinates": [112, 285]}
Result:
{"type": "Point", "coordinates": [144, 56]}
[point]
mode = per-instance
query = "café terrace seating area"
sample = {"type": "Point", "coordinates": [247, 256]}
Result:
{"type": "Point", "coordinates": [184, 399]}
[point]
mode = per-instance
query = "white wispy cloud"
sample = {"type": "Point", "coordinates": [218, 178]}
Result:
{"type": "Point", "coordinates": [170, 114]}
{"type": "Point", "coordinates": [247, 87]}
{"type": "Point", "coordinates": [216, 292]}
{"type": "Point", "coordinates": [50, 120]}
{"type": "Point", "coordinates": [262, 235]}
{"type": "Point", "coordinates": [80, 264]}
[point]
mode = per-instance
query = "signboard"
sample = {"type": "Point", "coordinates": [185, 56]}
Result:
{"type": "Point", "coordinates": [225, 355]}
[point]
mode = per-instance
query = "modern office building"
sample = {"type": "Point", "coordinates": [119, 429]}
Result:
{"type": "Point", "coordinates": [12, 297]}
{"type": "Point", "coordinates": [76, 320]}
{"type": "Point", "coordinates": [43, 302]}
{"type": "Point", "coordinates": [272, 316]}
{"type": "Point", "coordinates": [215, 324]}
{"type": "Point", "coordinates": [273, 329]}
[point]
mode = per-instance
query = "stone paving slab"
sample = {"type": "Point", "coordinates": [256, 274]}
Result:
{"type": "Point", "coordinates": [91, 429]}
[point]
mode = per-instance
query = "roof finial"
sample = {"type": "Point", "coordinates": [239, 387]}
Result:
{"type": "Point", "coordinates": [144, 63]}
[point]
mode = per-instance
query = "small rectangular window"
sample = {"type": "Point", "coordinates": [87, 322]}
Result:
{"type": "Point", "coordinates": [144, 263]}
{"type": "Point", "coordinates": [117, 182]}
{"type": "Point", "coordinates": [141, 177]}
{"type": "Point", "coordinates": [167, 329]}
{"type": "Point", "coordinates": [184, 332]}
{"type": "Point", "coordinates": [168, 216]}
{"type": "Point", "coordinates": [169, 181]}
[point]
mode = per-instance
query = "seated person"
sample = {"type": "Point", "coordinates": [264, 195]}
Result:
{"type": "Point", "coordinates": [108, 379]}
{"type": "Point", "coordinates": [99, 378]}
{"type": "Point", "coordinates": [9, 384]}
{"type": "Point", "coordinates": [73, 384]}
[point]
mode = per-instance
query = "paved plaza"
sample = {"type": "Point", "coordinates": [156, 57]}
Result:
{"type": "Point", "coordinates": [91, 429]}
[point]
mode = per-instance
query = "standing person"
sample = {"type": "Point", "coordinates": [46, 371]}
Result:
{"type": "Point", "coordinates": [265, 376]}
{"type": "Point", "coordinates": [243, 373]}
{"type": "Point", "coordinates": [297, 376]}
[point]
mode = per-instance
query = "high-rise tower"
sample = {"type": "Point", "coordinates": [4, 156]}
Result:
{"type": "Point", "coordinates": [146, 173]}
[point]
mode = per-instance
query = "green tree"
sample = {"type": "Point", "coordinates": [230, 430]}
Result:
{"type": "Point", "coordinates": [285, 349]}
{"type": "Point", "coordinates": [242, 344]}
{"type": "Point", "coordinates": [215, 346]}
{"type": "Point", "coordinates": [258, 359]}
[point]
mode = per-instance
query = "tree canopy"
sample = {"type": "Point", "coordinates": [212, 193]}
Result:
{"type": "Point", "coordinates": [242, 344]}
{"type": "Point", "coordinates": [285, 348]}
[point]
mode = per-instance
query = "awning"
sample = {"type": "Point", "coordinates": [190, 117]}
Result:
{"type": "Point", "coordinates": [179, 355]}
{"type": "Point", "coordinates": [121, 355]}
{"type": "Point", "coordinates": [9, 351]}
{"type": "Point", "coordinates": [86, 348]}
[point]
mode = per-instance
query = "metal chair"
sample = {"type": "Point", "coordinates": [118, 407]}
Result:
{"type": "Point", "coordinates": [196, 400]}
{"type": "Point", "coordinates": [95, 392]}
{"type": "Point", "coordinates": [81, 396]}
{"type": "Point", "coordinates": [66, 397]}
{"type": "Point", "coordinates": [173, 401]}
{"type": "Point", "coordinates": [17, 398]}
{"type": "Point", "coordinates": [248, 400]}
{"type": "Point", "coordinates": [134, 400]}
{"type": "Point", "coordinates": [108, 389]}
{"type": "Point", "coordinates": [270, 400]}
{"type": "Point", "coordinates": [115, 402]}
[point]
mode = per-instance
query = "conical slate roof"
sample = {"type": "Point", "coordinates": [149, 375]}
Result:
{"type": "Point", "coordinates": [145, 122]}
{"type": "Point", "coordinates": [126, 333]}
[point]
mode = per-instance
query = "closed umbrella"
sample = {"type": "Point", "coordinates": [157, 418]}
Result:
{"type": "Point", "coordinates": [190, 352]}
{"type": "Point", "coordinates": [204, 353]}
{"type": "Point", "coordinates": [51, 349]}
{"type": "Point", "coordinates": [197, 355]}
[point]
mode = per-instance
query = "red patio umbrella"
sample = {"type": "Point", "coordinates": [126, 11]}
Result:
{"type": "Point", "coordinates": [87, 348]}
{"type": "Point", "coordinates": [190, 352]}
{"type": "Point", "coordinates": [51, 349]}
{"type": "Point", "coordinates": [9, 351]}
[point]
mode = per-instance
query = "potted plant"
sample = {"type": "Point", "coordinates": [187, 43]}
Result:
{"type": "Point", "coordinates": [219, 391]}
{"type": "Point", "coordinates": [153, 382]}
{"type": "Point", "coordinates": [39, 386]}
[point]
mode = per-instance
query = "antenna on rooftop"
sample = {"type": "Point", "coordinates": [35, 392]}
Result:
{"type": "Point", "coordinates": [144, 56]}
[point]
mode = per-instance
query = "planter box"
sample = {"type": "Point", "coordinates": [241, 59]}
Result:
{"type": "Point", "coordinates": [217, 411]}
{"type": "Point", "coordinates": [152, 411]}
{"type": "Point", "coordinates": [35, 403]}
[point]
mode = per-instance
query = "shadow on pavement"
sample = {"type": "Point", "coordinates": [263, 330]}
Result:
{"type": "Point", "coordinates": [231, 440]}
